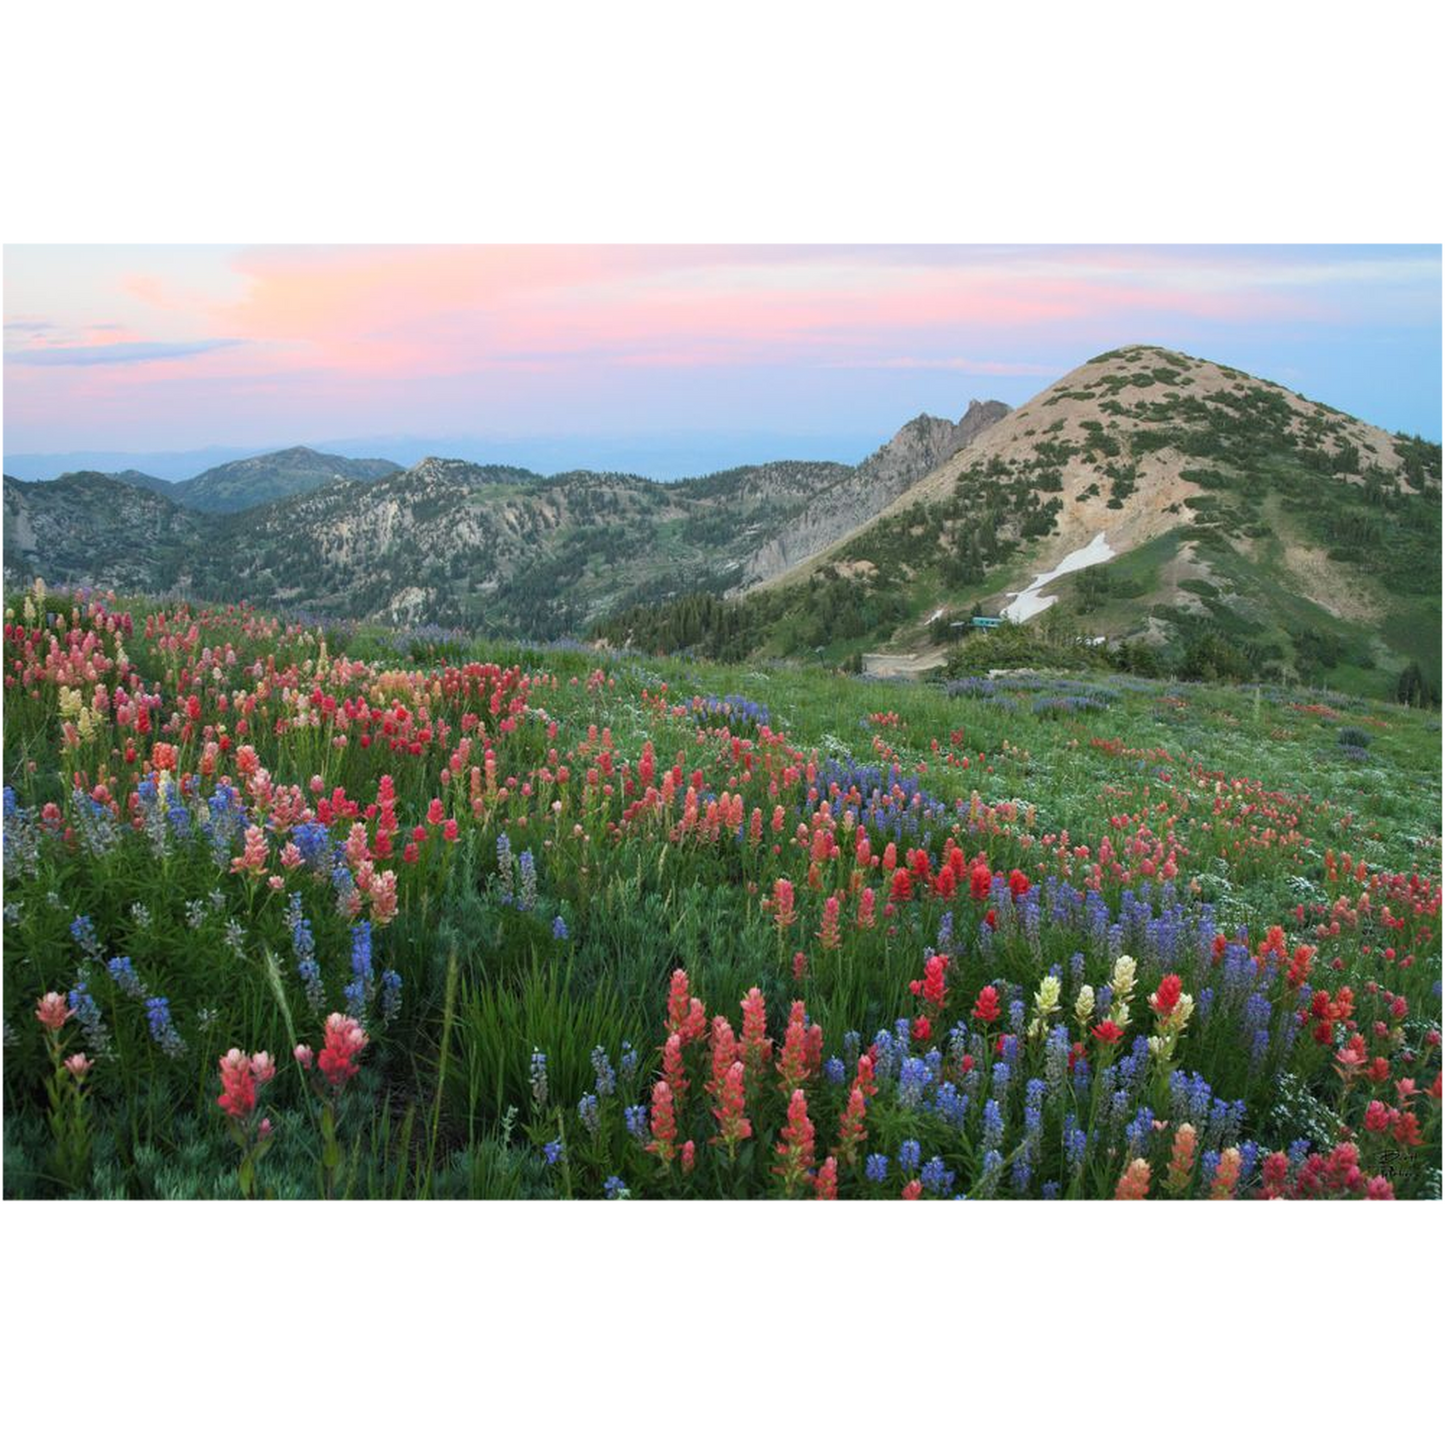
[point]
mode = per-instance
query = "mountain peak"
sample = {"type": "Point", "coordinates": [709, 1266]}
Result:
{"type": "Point", "coordinates": [273, 476]}
{"type": "Point", "coordinates": [1161, 497]}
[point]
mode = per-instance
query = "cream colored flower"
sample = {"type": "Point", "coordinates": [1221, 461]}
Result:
{"type": "Point", "coordinates": [1084, 1005]}
{"type": "Point", "coordinates": [1123, 980]}
{"type": "Point", "coordinates": [1046, 999]}
{"type": "Point", "coordinates": [1046, 1003]}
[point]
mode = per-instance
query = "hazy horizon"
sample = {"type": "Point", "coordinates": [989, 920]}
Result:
{"type": "Point", "coordinates": [661, 457]}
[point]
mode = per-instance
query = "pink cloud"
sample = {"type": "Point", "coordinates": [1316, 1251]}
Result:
{"type": "Point", "coordinates": [452, 310]}
{"type": "Point", "coordinates": [482, 330]}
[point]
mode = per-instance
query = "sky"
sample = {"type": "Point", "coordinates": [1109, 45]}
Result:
{"type": "Point", "coordinates": [665, 360]}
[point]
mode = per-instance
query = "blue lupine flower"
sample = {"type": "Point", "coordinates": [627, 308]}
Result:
{"type": "Point", "coordinates": [554, 1152]}
{"type": "Point", "coordinates": [875, 1168]}
{"type": "Point", "coordinates": [992, 1168]}
{"type": "Point", "coordinates": [303, 942]}
{"type": "Point", "coordinates": [88, 1016]}
{"type": "Point", "coordinates": [344, 886]}
{"type": "Point", "coordinates": [179, 817]}
{"type": "Point", "coordinates": [732, 709]}
{"type": "Point", "coordinates": [957, 1044]}
{"type": "Point", "coordinates": [225, 817]}
{"type": "Point", "coordinates": [1248, 1156]}
{"type": "Point", "coordinates": [313, 842]}
{"type": "Point", "coordinates": [935, 1177]}
{"type": "Point", "coordinates": [1051, 1189]}
{"type": "Point", "coordinates": [82, 930]}
{"type": "Point", "coordinates": [614, 1188]}
{"type": "Point", "coordinates": [1056, 1057]}
{"type": "Point", "coordinates": [1076, 1142]}
{"type": "Point", "coordinates": [390, 995]}
{"type": "Point", "coordinates": [1139, 1131]}
{"type": "Point", "coordinates": [1118, 1108]}
{"type": "Point", "coordinates": [537, 1071]}
{"type": "Point", "coordinates": [559, 929]}
{"type": "Point", "coordinates": [884, 1063]}
{"type": "Point", "coordinates": [98, 830]}
{"type": "Point", "coordinates": [1257, 1013]}
{"type": "Point", "coordinates": [1236, 1121]}
{"type": "Point", "coordinates": [834, 1071]}
{"type": "Point", "coordinates": [1258, 1048]}
{"type": "Point", "coordinates": [1140, 1056]}
{"type": "Point", "coordinates": [910, 1152]}
{"type": "Point", "coordinates": [361, 951]}
{"type": "Point", "coordinates": [1205, 1005]}
{"type": "Point", "coordinates": [504, 866]}
{"type": "Point", "coordinates": [21, 837]}
{"type": "Point", "coordinates": [992, 1124]}
{"type": "Point", "coordinates": [629, 1062]}
{"type": "Point", "coordinates": [528, 900]}
{"type": "Point", "coordinates": [913, 1079]}
{"type": "Point", "coordinates": [602, 1068]}
{"type": "Point", "coordinates": [122, 970]}
{"type": "Point", "coordinates": [635, 1117]}
{"type": "Point", "coordinates": [355, 996]}
{"type": "Point", "coordinates": [163, 1031]}
{"type": "Point", "coordinates": [588, 1112]}
{"type": "Point", "coordinates": [952, 1106]}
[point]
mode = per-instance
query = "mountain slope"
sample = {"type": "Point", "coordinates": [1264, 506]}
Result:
{"type": "Point", "coordinates": [448, 541]}
{"type": "Point", "coordinates": [145, 481]}
{"type": "Point", "coordinates": [235, 486]}
{"type": "Point", "coordinates": [1304, 541]}
{"type": "Point", "coordinates": [89, 527]}
{"type": "Point", "coordinates": [916, 450]}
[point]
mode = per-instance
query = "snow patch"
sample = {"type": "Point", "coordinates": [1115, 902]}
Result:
{"type": "Point", "coordinates": [1028, 603]}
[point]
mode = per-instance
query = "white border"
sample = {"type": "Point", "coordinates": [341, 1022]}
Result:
{"type": "Point", "coordinates": [779, 122]}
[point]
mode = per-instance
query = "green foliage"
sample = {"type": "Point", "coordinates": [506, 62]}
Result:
{"type": "Point", "coordinates": [1414, 690]}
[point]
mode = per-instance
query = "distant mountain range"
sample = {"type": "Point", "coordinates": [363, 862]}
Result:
{"type": "Point", "coordinates": [1207, 501]}
{"type": "Point", "coordinates": [452, 541]}
{"type": "Point", "coordinates": [235, 486]}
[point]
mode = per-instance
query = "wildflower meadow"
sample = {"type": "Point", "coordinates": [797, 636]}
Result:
{"type": "Point", "coordinates": [308, 910]}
